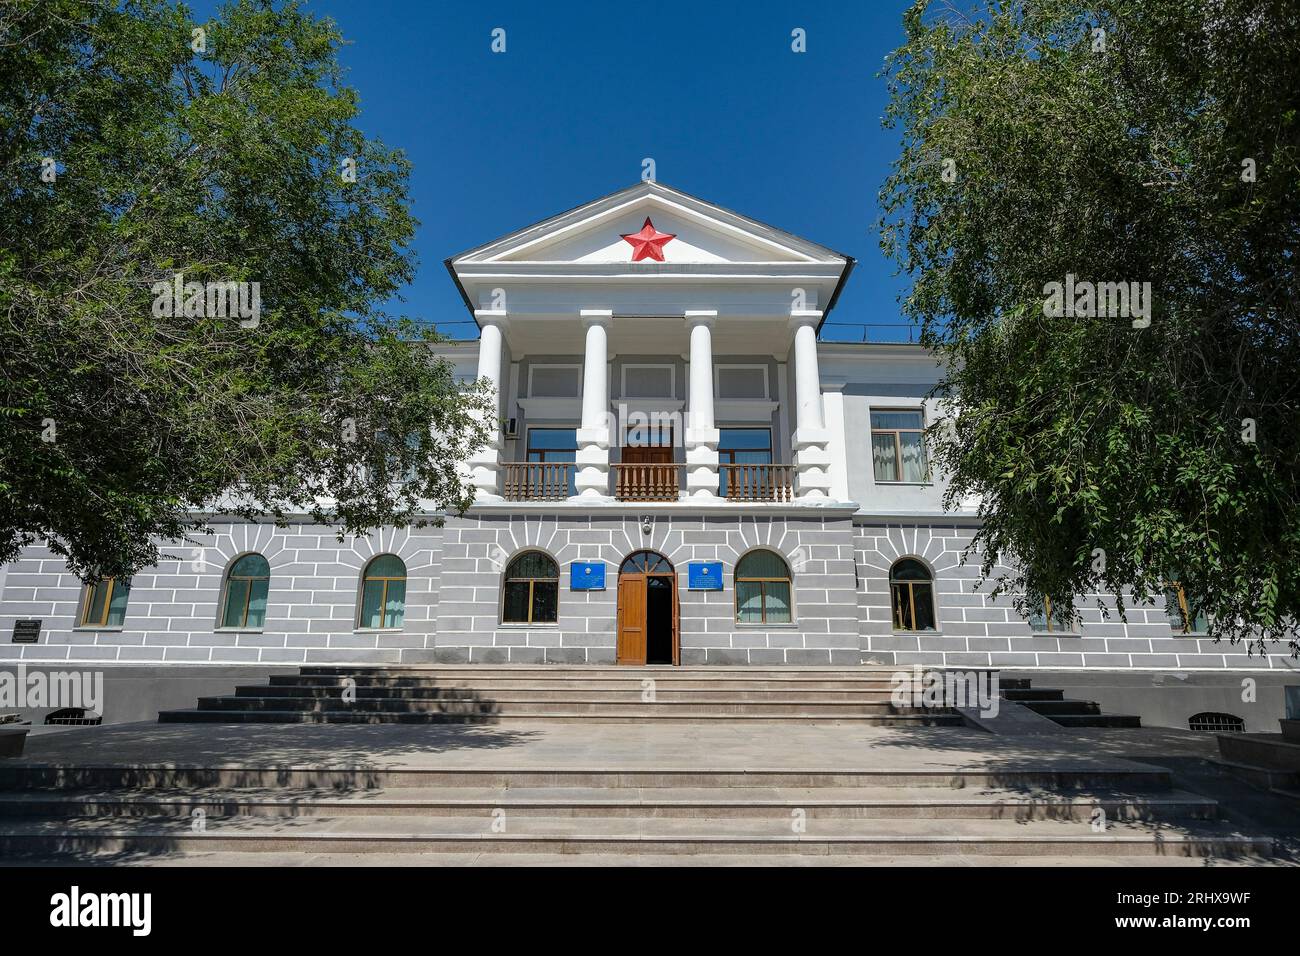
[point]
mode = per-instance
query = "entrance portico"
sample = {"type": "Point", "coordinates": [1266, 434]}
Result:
{"type": "Point", "coordinates": [654, 279]}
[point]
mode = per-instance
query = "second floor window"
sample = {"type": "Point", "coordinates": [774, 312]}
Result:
{"type": "Point", "coordinates": [898, 445]}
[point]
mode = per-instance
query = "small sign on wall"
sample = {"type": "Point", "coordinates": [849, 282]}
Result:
{"type": "Point", "coordinates": [26, 632]}
{"type": "Point", "coordinates": [704, 576]}
{"type": "Point", "coordinates": [587, 576]}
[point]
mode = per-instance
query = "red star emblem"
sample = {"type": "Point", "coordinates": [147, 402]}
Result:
{"type": "Point", "coordinates": [649, 242]}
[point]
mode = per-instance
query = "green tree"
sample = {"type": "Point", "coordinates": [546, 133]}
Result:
{"type": "Point", "coordinates": [1122, 141]}
{"type": "Point", "coordinates": [136, 145]}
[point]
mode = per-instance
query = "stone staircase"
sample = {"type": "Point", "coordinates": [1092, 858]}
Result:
{"type": "Point", "coordinates": [119, 814]}
{"type": "Point", "coordinates": [1051, 703]}
{"type": "Point", "coordinates": [1268, 761]}
{"type": "Point", "coordinates": [553, 693]}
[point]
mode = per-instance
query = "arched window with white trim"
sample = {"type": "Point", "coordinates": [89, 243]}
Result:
{"type": "Point", "coordinates": [531, 590]}
{"type": "Point", "coordinates": [763, 589]}
{"type": "Point", "coordinates": [911, 593]}
{"type": "Point", "coordinates": [243, 603]}
{"type": "Point", "coordinates": [383, 593]}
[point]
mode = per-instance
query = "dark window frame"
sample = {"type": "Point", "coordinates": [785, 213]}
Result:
{"type": "Point", "coordinates": [532, 582]}
{"type": "Point", "coordinates": [907, 623]}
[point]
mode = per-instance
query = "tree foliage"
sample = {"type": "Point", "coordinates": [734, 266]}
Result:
{"type": "Point", "coordinates": [1110, 459]}
{"type": "Point", "coordinates": [219, 156]}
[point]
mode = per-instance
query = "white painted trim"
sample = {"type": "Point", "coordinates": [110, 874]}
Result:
{"type": "Point", "coordinates": [837, 447]}
{"type": "Point", "coordinates": [566, 409]}
{"type": "Point", "coordinates": [644, 194]}
{"type": "Point", "coordinates": [744, 410]}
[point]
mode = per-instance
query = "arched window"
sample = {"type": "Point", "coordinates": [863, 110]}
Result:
{"type": "Point", "coordinates": [762, 589]}
{"type": "Point", "coordinates": [247, 582]}
{"type": "Point", "coordinates": [103, 604]}
{"type": "Point", "coordinates": [911, 589]}
{"type": "Point", "coordinates": [532, 590]}
{"type": "Point", "coordinates": [645, 562]}
{"type": "Point", "coordinates": [383, 592]}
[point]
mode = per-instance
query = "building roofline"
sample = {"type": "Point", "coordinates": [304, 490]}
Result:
{"type": "Point", "coordinates": [648, 187]}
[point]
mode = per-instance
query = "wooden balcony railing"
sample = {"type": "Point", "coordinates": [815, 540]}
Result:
{"type": "Point", "coordinates": [537, 480]}
{"type": "Point", "coordinates": [757, 482]}
{"type": "Point", "coordinates": [647, 482]}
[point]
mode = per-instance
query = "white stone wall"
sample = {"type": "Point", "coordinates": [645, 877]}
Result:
{"type": "Point", "coordinates": [977, 631]}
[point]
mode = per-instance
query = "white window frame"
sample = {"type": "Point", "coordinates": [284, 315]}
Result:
{"type": "Point", "coordinates": [717, 383]}
{"type": "Point", "coordinates": [672, 378]}
{"type": "Point", "coordinates": [577, 370]}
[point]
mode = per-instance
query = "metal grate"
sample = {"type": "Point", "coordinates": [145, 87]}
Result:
{"type": "Point", "coordinates": [1216, 723]}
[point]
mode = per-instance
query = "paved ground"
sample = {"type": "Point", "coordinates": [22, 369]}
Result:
{"type": "Point", "coordinates": [605, 746]}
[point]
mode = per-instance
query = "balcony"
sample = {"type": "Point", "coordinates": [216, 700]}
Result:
{"type": "Point", "coordinates": [757, 482]}
{"type": "Point", "coordinates": [655, 482]}
{"type": "Point", "coordinates": [554, 481]}
{"type": "Point", "coordinates": [537, 480]}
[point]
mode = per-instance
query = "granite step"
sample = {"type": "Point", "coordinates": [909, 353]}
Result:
{"type": "Point", "coordinates": [517, 703]}
{"type": "Point", "coordinates": [1097, 720]}
{"type": "Point", "coordinates": [505, 833]}
{"type": "Point", "coordinates": [525, 692]}
{"type": "Point", "coordinates": [859, 803]}
{"type": "Point", "coordinates": [1035, 775]}
{"type": "Point", "coordinates": [666, 680]}
{"type": "Point", "coordinates": [641, 713]}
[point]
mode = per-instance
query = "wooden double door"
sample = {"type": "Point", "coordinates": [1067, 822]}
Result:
{"type": "Point", "coordinates": [649, 613]}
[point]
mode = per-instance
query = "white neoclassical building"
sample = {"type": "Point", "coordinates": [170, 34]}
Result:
{"type": "Point", "coordinates": [683, 473]}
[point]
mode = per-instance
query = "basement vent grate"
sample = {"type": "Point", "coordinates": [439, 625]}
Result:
{"type": "Point", "coordinates": [1216, 723]}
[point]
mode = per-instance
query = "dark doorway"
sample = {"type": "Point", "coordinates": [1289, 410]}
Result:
{"type": "Point", "coordinates": [659, 621]}
{"type": "Point", "coordinates": [648, 611]}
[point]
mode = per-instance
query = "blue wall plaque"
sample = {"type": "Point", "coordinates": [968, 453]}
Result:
{"type": "Point", "coordinates": [704, 576]}
{"type": "Point", "coordinates": [587, 576]}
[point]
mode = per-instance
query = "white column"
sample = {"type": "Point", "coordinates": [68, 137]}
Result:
{"type": "Point", "coordinates": [484, 465]}
{"type": "Point", "coordinates": [701, 435]}
{"type": "Point", "coordinates": [593, 437]}
{"type": "Point", "coordinates": [812, 482]}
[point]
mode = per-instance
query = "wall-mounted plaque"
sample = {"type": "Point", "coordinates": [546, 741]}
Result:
{"type": "Point", "coordinates": [26, 632]}
{"type": "Point", "coordinates": [587, 576]}
{"type": "Point", "coordinates": [704, 576]}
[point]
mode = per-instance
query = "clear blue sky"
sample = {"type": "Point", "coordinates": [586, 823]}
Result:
{"type": "Point", "coordinates": [711, 91]}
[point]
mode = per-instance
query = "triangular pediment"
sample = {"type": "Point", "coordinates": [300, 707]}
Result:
{"type": "Point", "coordinates": [702, 233]}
